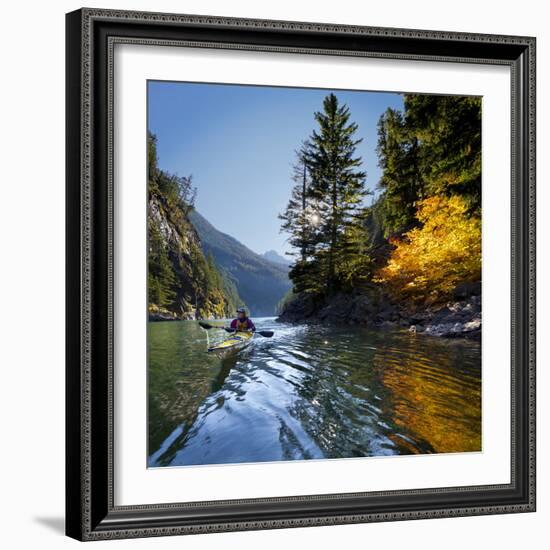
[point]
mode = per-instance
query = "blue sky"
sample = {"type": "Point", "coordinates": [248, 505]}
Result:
{"type": "Point", "coordinates": [238, 142]}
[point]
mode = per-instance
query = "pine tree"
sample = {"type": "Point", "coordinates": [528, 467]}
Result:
{"type": "Point", "coordinates": [301, 220]}
{"type": "Point", "coordinates": [337, 183]}
{"type": "Point", "coordinates": [161, 279]}
{"type": "Point", "coordinates": [357, 265]}
{"type": "Point", "coordinates": [432, 148]}
{"type": "Point", "coordinates": [448, 129]}
{"type": "Point", "coordinates": [401, 181]}
{"type": "Point", "coordinates": [152, 160]}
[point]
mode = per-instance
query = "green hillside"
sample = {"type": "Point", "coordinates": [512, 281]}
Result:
{"type": "Point", "coordinates": [183, 281]}
{"type": "Point", "coordinates": [260, 282]}
{"type": "Point", "coordinates": [274, 257]}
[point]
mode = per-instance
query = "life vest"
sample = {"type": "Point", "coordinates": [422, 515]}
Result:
{"type": "Point", "coordinates": [242, 325]}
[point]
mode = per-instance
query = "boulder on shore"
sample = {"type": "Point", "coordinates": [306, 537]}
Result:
{"type": "Point", "coordinates": [457, 319]}
{"type": "Point", "coordinates": [162, 316]}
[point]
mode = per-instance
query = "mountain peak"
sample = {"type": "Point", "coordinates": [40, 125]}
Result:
{"type": "Point", "coordinates": [260, 282]}
{"type": "Point", "coordinates": [275, 257]}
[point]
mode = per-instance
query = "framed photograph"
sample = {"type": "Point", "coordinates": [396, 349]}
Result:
{"type": "Point", "coordinates": [300, 274]}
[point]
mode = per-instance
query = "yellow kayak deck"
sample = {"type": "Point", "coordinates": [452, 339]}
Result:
{"type": "Point", "coordinates": [235, 342]}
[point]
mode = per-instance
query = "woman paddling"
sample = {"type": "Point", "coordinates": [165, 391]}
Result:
{"type": "Point", "coordinates": [242, 323]}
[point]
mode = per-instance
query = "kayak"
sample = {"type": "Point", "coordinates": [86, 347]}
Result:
{"type": "Point", "coordinates": [235, 342]}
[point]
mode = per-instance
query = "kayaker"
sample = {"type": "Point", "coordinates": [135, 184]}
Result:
{"type": "Point", "coordinates": [242, 323]}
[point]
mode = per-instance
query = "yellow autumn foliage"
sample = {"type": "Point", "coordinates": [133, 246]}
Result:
{"type": "Point", "coordinates": [429, 261]}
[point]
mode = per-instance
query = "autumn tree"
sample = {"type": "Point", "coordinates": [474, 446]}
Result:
{"type": "Point", "coordinates": [429, 261]}
{"type": "Point", "coordinates": [422, 234]}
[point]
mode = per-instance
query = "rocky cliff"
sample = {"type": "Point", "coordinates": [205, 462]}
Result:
{"type": "Point", "coordinates": [183, 283]}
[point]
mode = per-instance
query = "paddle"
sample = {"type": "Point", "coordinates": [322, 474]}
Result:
{"type": "Point", "coordinates": [264, 333]}
{"type": "Point", "coordinates": [207, 326]}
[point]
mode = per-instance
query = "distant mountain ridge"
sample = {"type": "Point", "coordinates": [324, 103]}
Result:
{"type": "Point", "coordinates": [276, 258]}
{"type": "Point", "coordinates": [260, 282]}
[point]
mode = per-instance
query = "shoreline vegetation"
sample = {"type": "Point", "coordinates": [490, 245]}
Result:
{"type": "Point", "coordinates": [194, 270]}
{"type": "Point", "coordinates": [410, 259]}
{"type": "Point", "coordinates": [182, 281]}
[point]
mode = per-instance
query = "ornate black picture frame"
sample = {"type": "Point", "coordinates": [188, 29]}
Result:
{"type": "Point", "coordinates": [90, 509]}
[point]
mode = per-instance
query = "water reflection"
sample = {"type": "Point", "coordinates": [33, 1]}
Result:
{"type": "Point", "coordinates": [310, 392]}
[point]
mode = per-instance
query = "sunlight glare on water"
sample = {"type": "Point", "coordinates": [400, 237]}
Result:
{"type": "Point", "coordinates": [309, 392]}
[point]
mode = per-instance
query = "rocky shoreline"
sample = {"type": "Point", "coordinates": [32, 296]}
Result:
{"type": "Point", "coordinates": [458, 318]}
{"type": "Point", "coordinates": [156, 314]}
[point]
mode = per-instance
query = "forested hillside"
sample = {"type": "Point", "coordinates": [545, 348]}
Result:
{"type": "Point", "coordinates": [419, 240]}
{"type": "Point", "coordinates": [260, 282]}
{"type": "Point", "coordinates": [183, 282]}
{"type": "Point", "coordinates": [276, 258]}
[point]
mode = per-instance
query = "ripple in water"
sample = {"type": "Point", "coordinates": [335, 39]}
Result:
{"type": "Point", "coordinates": [310, 393]}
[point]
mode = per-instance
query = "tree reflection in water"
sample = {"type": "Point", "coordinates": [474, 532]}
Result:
{"type": "Point", "coordinates": [310, 393]}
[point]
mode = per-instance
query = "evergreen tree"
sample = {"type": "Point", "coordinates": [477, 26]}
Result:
{"type": "Point", "coordinates": [356, 268]}
{"type": "Point", "coordinates": [422, 234]}
{"type": "Point", "coordinates": [152, 161]}
{"type": "Point", "coordinates": [448, 129]}
{"type": "Point", "coordinates": [161, 280]}
{"type": "Point", "coordinates": [432, 148]}
{"type": "Point", "coordinates": [294, 219]}
{"type": "Point", "coordinates": [301, 221]}
{"type": "Point", "coordinates": [186, 194]}
{"type": "Point", "coordinates": [337, 183]}
{"type": "Point", "coordinates": [401, 181]}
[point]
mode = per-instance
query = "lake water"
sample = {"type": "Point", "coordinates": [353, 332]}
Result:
{"type": "Point", "coordinates": [309, 392]}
